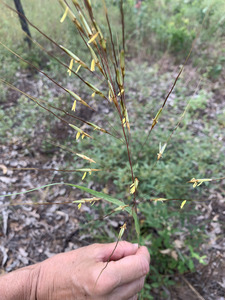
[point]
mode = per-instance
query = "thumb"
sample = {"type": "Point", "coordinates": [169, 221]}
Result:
{"type": "Point", "coordinates": [122, 249]}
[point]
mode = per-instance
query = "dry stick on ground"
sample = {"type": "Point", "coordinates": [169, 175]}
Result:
{"type": "Point", "coordinates": [192, 288]}
{"type": "Point", "coordinates": [209, 276]}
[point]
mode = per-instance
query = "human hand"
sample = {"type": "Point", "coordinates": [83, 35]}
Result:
{"type": "Point", "coordinates": [73, 275]}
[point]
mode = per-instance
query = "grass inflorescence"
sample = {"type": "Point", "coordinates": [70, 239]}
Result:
{"type": "Point", "coordinates": [117, 146]}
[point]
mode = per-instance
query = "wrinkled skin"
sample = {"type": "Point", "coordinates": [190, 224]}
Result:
{"type": "Point", "coordinates": [73, 275]}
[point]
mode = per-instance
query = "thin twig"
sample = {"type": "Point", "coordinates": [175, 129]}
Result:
{"type": "Point", "coordinates": [192, 288]}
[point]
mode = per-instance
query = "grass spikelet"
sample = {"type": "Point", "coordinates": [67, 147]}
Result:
{"type": "Point", "coordinates": [68, 11]}
{"type": "Point", "coordinates": [78, 68]}
{"type": "Point", "coordinates": [70, 67]}
{"type": "Point", "coordinates": [103, 63]}
{"type": "Point", "coordinates": [198, 182]}
{"type": "Point", "coordinates": [95, 89]}
{"type": "Point", "coordinates": [74, 105]}
{"type": "Point", "coordinates": [86, 157]}
{"type": "Point", "coordinates": [93, 38]}
{"type": "Point", "coordinates": [72, 55]}
{"type": "Point", "coordinates": [155, 120]}
{"type": "Point", "coordinates": [133, 186]}
{"type": "Point", "coordinates": [85, 173]}
{"type": "Point", "coordinates": [87, 200]}
{"type": "Point", "coordinates": [78, 98]}
{"type": "Point", "coordinates": [64, 15]}
{"type": "Point", "coordinates": [79, 132]}
{"type": "Point", "coordinates": [93, 65]}
{"type": "Point", "coordinates": [183, 203]}
{"type": "Point", "coordinates": [161, 150]}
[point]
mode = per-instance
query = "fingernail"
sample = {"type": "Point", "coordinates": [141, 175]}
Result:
{"type": "Point", "coordinates": [135, 246]}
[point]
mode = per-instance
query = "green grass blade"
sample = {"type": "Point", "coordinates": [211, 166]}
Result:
{"type": "Point", "coordinates": [103, 196]}
{"type": "Point", "coordinates": [94, 193]}
{"type": "Point", "coordinates": [35, 189]}
{"type": "Point", "coordinates": [90, 191]}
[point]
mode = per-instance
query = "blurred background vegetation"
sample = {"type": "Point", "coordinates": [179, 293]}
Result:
{"type": "Point", "coordinates": [159, 35]}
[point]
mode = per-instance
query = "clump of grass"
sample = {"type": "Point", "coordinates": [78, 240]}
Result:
{"type": "Point", "coordinates": [106, 64]}
{"type": "Point", "coordinates": [101, 71]}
